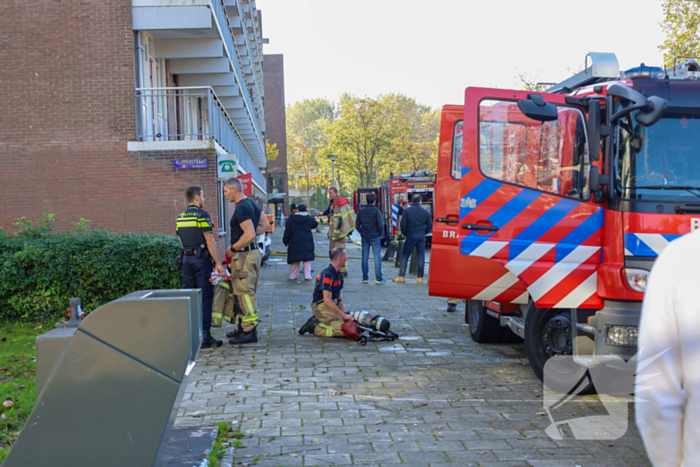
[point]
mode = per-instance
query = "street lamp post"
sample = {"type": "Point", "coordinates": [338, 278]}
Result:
{"type": "Point", "coordinates": [333, 158]}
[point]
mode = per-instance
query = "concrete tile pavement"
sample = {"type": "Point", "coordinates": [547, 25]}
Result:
{"type": "Point", "coordinates": [433, 398]}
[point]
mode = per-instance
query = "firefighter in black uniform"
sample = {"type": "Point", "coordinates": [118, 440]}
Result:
{"type": "Point", "coordinates": [247, 222]}
{"type": "Point", "coordinates": [195, 229]}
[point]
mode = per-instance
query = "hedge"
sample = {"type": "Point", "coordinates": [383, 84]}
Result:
{"type": "Point", "coordinates": [41, 270]}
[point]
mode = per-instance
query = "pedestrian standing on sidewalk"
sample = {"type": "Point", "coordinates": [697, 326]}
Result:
{"type": "Point", "coordinates": [416, 223]}
{"type": "Point", "coordinates": [299, 240]}
{"type": "Point", "coordinates": [370, 227]}
{"type": "Point", "coordinates": [667, 377]}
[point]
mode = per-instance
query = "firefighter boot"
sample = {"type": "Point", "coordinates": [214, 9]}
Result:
{"type": "Point", "coordinates": [309, 326]}
{"type": "Point", "coordinates": [208, 340]}
{"type": "Point", "coordinates": [238, 330]}
{"type": "Point", "coordinates": [245, 337]}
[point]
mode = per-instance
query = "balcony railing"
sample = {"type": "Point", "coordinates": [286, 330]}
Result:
{"type": "Point", "coordinates": [191, 114]}
{"type": "Point", "coordinates": [219, 9]}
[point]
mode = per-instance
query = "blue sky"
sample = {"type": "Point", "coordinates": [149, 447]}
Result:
{"type": "Point", "coordinates": [433, 50]}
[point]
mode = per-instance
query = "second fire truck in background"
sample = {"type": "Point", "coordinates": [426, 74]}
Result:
{"type": "Point", "coordinates": [393, 192]}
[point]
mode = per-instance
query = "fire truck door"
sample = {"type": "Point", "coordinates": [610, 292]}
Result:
{"type": "Point", "coordinates": [528, 227]}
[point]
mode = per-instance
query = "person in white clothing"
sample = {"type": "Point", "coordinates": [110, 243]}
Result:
{"type": "Point", "coordinates": [667, 402]}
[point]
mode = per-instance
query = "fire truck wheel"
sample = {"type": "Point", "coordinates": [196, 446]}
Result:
{"type": "Point", "coordinates": [548, 335]}
{"type": "Point", "coordinates": [484, 328]}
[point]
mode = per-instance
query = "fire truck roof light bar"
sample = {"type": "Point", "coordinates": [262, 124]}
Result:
{"type": "Point", "coordinates": [603, 66]}
{"type": "Point", "coordinates": [689, 69]}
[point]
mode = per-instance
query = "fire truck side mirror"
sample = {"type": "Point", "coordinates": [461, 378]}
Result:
{"type": "Point", "coordinates": [594, 129]}
{"type": "Point", "coordinates": [596, 181]}
{"type": "Point", "coordinates": [650, 110]}
{"type": "Point", "coordinates": [536, 108]}
{"type": "Point", "coordinates": [656, 109]}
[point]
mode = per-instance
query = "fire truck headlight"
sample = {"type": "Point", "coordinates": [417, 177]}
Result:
{"type": "Point", "coordinates": [620, 335]}
{"type": "Point", "coordinates": [637, 279]}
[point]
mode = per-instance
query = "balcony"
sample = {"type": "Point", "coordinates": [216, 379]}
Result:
{"type": "Point", "coordinates": [215, 44]}
{"type": "Point", "coordinates": [192, 114]}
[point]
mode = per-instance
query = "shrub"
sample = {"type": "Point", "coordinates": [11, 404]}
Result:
{"type": "Point", "coordinates": [41, 270]}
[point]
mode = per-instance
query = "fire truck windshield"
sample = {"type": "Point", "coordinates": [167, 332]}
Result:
{"type": "Point", "coordinates": [661, 162]}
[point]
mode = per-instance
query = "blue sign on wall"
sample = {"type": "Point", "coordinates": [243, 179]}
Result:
{"type": "Point", "coordinates": [187, 164]}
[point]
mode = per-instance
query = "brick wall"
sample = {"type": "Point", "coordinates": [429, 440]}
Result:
{"type": "Point", "coordinates": [275, 121]}
{"type": "Point", "coordinates": [67, 79]}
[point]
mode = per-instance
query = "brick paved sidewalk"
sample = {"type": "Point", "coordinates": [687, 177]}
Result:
{"type": "Point", "coordinates": [432, 398]}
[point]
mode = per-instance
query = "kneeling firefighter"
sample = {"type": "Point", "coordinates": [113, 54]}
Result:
{"type": "Point", "coordinates": [331, 318]}
{"type": "Point", "coordinates": [329, 313]}
{"type": "Point", "coordinates": [195, 229]}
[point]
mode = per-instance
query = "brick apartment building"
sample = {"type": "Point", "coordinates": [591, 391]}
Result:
{"type": "Point", "coordinates": [103, 98]}
{"type": "Point", "coordinates": [277, 182]}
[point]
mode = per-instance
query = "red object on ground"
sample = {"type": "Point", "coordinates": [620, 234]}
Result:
{"type": "Point", "coordinates": [352, 330]}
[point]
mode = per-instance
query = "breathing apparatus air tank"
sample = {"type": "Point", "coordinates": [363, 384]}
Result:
{"type": "Point", "coordinates": [371, 320]}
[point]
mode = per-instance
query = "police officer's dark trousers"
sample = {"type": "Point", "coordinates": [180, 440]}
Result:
{"type": "Point", "coordinates": [195, 275]}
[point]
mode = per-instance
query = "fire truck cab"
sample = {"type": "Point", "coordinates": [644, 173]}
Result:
{"type": "Point", "coordinates": [551, 207]}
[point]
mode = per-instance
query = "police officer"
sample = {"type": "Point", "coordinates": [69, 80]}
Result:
{"type": "Point", "coordinates": [195, 229]}
{"type": "Point", "coordinates": [246, 224]}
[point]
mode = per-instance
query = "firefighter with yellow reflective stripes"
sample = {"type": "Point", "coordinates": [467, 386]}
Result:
{"type": "Point", "coordinates": [329, 312]}
{"type": "Point", "coordinates": [195, 229]}
{"type": "Point", "coordinates": [341, 222]}
{"type": "Point", "coordinates": [247, 222]}
{"type": "Point", "coordinates": [452, 304]}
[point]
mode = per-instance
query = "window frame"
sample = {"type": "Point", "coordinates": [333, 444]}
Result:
{"type": "Point", "coordinates": [221, 209]}
{"type": "Point", "coordinates": [588, 167]}
{"type": "Point", "coordinates": [452, 161]}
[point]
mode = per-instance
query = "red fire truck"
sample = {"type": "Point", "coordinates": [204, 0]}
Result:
{"type": "Point", "coordinates": [551, 207]}
{"type": "Point", "coordinates": [393, 192]}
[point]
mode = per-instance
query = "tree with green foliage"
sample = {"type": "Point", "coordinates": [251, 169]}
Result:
{"type": "Point", "coordinates": [416, 143]}
{"type": "Point", "coordinates": [363, 137]}
{"type": "Point", "coordinates": [306, 138]}
{"type": "Point", "coordinates": [372, 137]}
{"type": "Point", "coordinates": [681, 24]}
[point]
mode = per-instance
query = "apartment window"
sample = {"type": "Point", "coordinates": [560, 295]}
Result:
{"type": "Point", "coordinates": [154, 109]}
{"type": "Point", "coordinates": [275, 183]}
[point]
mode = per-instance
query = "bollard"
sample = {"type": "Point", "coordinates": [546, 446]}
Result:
{"type": "Point", "coordinates": [413, 267]}
{"type": "Point", "coordinates": [115, 384]}
{"type": "Point", "coordinates": [74, 319]}
{"type": "Point", "coordinates": [399, 252]}
{"type": "Point", "coordinates": [390, 251]}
